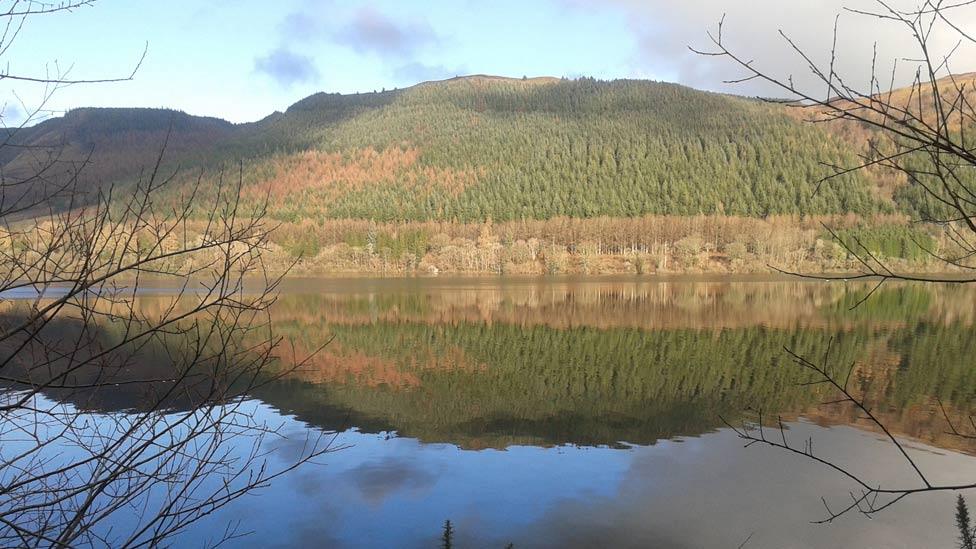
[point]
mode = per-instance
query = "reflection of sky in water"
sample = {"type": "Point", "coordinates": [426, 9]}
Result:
{"type": "Point", "coordinates": [394, 492]}
{"type": "Point", "coordinates": [697, 492]}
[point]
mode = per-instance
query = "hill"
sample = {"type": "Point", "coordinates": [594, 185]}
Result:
{"type": "Point", "coordinates": [117, 142]}
{"type": "Point", "coordinates": [543, 158]}
{"type": "Point", "coordinates": [471, 148]}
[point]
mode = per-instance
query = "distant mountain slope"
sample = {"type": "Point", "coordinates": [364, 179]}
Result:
{"type": "Point", "coordinates": [117, 142]}
{"type": "Point", "coordinates": [925, 198]}
{"type": "Point", "coordinates": [482, 147]}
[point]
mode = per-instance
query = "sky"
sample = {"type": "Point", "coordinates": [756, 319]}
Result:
{"type": "Point", "coordinates": [244, 59]}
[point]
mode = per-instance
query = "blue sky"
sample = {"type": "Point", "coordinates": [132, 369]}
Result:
{"type": "Point", "coordinates": [241, 60]}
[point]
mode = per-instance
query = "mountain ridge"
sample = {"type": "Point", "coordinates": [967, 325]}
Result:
{"type": "Point", "coordinates": [483, 146]}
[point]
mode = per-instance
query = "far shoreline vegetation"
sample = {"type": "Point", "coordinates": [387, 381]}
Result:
{"type": "Point", "coordinates": [666, 245]}
{"type": "Point", "coordinates": [599, 246]}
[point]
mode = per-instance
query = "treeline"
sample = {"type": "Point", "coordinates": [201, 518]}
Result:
{"type": "Point", "coordinates": [641, 245]}
{"type": "Point", "coordinates": [607, 245]}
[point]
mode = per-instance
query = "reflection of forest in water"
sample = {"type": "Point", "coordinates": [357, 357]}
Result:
{"type": "Point", "coordinates": [615, 304]}
{"type": "Point", "coordinates": [484, 364]}
{"type": "Point", "coordinates": [490, 363]}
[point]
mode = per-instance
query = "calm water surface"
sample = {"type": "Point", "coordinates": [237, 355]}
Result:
{"type": "Point", "coordinates": [581, 413]}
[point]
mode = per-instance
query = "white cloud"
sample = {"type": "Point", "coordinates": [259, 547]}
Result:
{"type": "Point", "coordinates": [664, 29]}
{"type": "Point", "coordinates": [414, 72]}
{"type": "Point", "coordinates": [12, 115]}
{"type": "Point", "coordinates": [365, 30]}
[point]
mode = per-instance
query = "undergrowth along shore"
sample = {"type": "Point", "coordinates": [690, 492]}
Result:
{"type": "Point", "coordinates": [640, 245]}
{"type": "Point", "coordinates": [649, 244]}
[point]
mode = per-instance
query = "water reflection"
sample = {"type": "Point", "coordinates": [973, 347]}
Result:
{"type": "Point", "coordinates": [688, 492]}
{"type": "Point", "coordinates": [623, 302]}
{"type": "Point", "coordinates": [487, 364]}
{"type": "Point", "coordinates": [562, 412]}
{"type": "Point", "coordinates": [494, 362]}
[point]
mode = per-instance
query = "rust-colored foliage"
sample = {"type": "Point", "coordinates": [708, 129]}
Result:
{"type": "Point", "coordinates": [322, 177]}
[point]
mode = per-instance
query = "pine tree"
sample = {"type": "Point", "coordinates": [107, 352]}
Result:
{"type": "Point", "coordinates": [966, 540]}
{"type": "Point", "coordinates": [447, 538]}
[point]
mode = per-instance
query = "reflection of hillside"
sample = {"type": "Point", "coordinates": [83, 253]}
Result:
{"type": "Point", "coordinates": [656, 305]}
{"type": "Point", "coordinates": [600, 386]}
{"type": "Point", "coordinates": [336, 364]}
{"type": "Point", "coordinates": [489, 364]}
{"type": "Point", "coordinates": [921, 422]}
{"type": "Point", "coordinates": [895, 380]}
{"type": "Point", "coordinates": [102, 373]}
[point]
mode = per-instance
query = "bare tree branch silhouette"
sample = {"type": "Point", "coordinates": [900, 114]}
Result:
{"type": "Point", "coordinates": [75, 259]}
{"type": "Point", "coordinates": [922, 134]}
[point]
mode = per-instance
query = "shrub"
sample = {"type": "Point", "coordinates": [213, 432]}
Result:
{"type": "Point", "coordinates": [736, 251]}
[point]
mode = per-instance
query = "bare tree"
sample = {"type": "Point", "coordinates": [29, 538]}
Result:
{"type": "Point", "coordinates": [74, 260]}
{"type": "Point", "coordinates": [920, 134]}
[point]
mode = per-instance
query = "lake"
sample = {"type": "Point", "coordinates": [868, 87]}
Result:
{"type": "Point", "coordinates": [559, 412]}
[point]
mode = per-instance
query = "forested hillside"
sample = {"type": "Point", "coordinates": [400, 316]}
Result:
{"type": "Point", "coordinates": [478, 148]}
{"type": "Point", "coordinates": [113, 144]}
{"type": "Point", "coordinates": [475, 149]}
